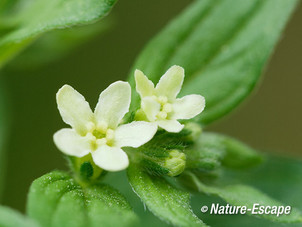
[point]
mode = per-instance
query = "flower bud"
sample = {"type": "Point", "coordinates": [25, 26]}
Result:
{"type": "Point", "coordinates": [171, 164]}
{"type": "Point", "coordinates": [140, 115]}
{"type": "Point", "coordinates": [195, 130]}
{"type": "Point", "coordinates": [175, 163]}
{"type": "Point", "coordinates": [85, 169]}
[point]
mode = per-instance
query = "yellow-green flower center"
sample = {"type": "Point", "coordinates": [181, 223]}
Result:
{"type": "Point", "coordinates": [99, 134]}
{"type": "Point", "coordinates": [165, 108]}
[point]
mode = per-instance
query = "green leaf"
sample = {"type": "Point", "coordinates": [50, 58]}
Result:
{"type": "Point", "coordinates": [57, 44]}
{"type": "Point", "coordinates": [242, 195]}
{"type": "Point", "coordinates": [12, 218]}
{"type": "Point", "coordinates": [38, 16]}
{"type": "Point", "coordinates": [5, 5]}
{"type": "Point", "coordinates": [206, 154]}
{"type": "Point", "coordinates": [223, 46]}
{"type": "Point", "coordinates": [212, 150]}
{"type": "Point", "coordinates": [162, 199]}
{"type": "Point", "coordinates": [278, 176]}
{"type": "Point", "coordinates": [204, 159]}
{"type": "Point", "coordinates": [236, 154]}
{"type": "Point", "coordinates": [56, 199]}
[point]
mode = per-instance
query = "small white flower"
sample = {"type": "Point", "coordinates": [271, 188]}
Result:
{"type": "Point", "coordinates": [99, 133]}
{"type": "Point", "coordinates": [160, 105]}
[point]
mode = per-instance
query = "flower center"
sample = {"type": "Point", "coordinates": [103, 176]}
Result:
{"type": "Point", "coordinates": [99, 134]}
{"type": "Point", "coordinates": [165, 107]}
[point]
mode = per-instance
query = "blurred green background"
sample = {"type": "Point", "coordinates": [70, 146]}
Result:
{"type": "Point", "coordinates": [269, 120]}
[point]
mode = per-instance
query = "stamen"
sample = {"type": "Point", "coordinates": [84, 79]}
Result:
{"type": "Point", "coordinates": [162, 115]}
{"type": "Point", "coordinates": [167, 108]}
{"type": "Point", "coordinates": [162, 100]}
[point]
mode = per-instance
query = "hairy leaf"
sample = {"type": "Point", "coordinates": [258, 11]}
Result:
{"type": "Point", "coordinates": [277, 176]}
{"type": "Point", "coordinates": [56, 199]}
{"type": "Point", "coordinates": [223, 46]}
{"type": "Point", "coordinates": [236, 154]}
{"type": "Point", "coordinates": [242, 195]}
{"type": "Point", "coordinates": [162, 199]}
{"type": "Point", "coordinates": [12, 218]}
{"type": "Point", "coordinates": [38, 16]}
{"type": "Point", "coordinates": [204, 159]}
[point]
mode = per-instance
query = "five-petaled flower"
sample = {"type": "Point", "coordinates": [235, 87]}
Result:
{"type": "Point", "coordinates": [160, 105]}
{"type": "Point", "coordinates": [99, 132]}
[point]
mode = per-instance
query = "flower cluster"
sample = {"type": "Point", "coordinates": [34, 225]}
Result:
{"type": "Point", "coordinates": [160, 105]}
{"type": "Point", "coordinates": [102, 134]}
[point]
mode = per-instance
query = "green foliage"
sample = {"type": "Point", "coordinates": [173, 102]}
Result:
{"type": "Point", "coordinates": [278, 175]}
{"type": "Point", "coordinates": [163, 155]}
{"type": "Point", "coordinates": [57, 44]}
{"type": "Point", "coordinates": [238, 155]}
{"type": "Point", "coordinates": [56, 199]}
{"type": "Point", "coordinates": [213, 150]}
{"type": "Point", "coordinates": [164, 141]}
{"type": "Point", "coordinates": [38, 16]}
{"type": "Point", "coordinates": [153, 166]}
{"type": "Point", "coordinates": [162, 199]}
{"type": "Point", "coordinates": [242, 195]}
{"type": "Point", "coordinates": [205, 155]}
{"type": "Point", "coordinates": [204, 159]}
{"type": "Point", "coordinates": [235, 153]}
{"type": "Point", "coordinates": [4, 125]}
{"type": "Point", "coordinates": [223, 46]}
{"type": "Point", "coordinates": [12, 218]}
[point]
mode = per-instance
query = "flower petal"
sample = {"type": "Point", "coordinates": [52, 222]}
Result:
{"type": "Point", "coordinates": [134, 134]}
{"type": "Point", "coordinates": [73, 108]}
{"type": "Point", "coordinates": [110, 158]}
{"type": "Point", "coordinates": [150, 107]}
{"type": "Point", "coordinates": [170, 83]}
{"type": "Point", "coordinates": [71, 143]}
{"type": "Point", "coordinates": [144, 86]}
{"type": "Point", "coordinates": [170, 125]}
{"type": "Point", "coordinates": [113, 104]}
{"type": "Point", "coordinates": [188, 106]}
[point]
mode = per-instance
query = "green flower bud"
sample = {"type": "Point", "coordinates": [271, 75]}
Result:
{"type": "Point", "coordinates": [195, 130]}
{"type": "Point", "coordinates": [140, 115]}
{"type": "Point", "coordinates": [85, 169]}
{"type": "Point", "coordinates": [172, 163]}
{"type": "Point", "coordinates": [175, 163]}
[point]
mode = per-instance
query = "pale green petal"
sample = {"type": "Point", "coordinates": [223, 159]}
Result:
{"type": "Point", "coordinates": [188, 106]}
{"type": "Point", "coordinates": [144, 86]}
{"type": "Point", "coordinates": [113, 104]}
{"type": "Point", "coordinates": [170, 125]}
{"type": "Point", "coordinates": [171, 82]}
{"type": "Point", "coordinates": [73, 108]}
{"type": "Point", "coordinates": [110, 158]}
{"type": "Point", "coordinates": [71, 143]}
{"type": "Point", "coordinates": [150, 107]}
{"type": "Point", "coordinates": [134, 134]}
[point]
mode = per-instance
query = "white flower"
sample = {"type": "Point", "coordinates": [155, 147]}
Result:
{"type": "Point", "coordinates": [99, 133]}
{"type": "Point", "coordinates": [160, 105]}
